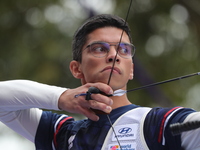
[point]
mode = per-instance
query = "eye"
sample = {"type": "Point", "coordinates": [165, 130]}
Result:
{"type": "Point", "coordinates": [125, 50]}
{"type": "Point", "coordinates": [98, 48]}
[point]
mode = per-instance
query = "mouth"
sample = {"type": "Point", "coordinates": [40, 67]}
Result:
{"type": "Point", "coordinates": [109, 68]}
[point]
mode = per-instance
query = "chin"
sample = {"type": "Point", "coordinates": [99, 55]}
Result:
{"type": "Point", "coordinates": [117, 86]}
{"type": "Point", "coordinates": [114, 84]}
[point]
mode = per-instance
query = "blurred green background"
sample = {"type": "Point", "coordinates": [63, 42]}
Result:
{"type": "Point", "coordinates": [36, 38]}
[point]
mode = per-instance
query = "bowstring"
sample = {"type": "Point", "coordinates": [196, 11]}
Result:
{"type": "Point", "coordinates": [109, 79]}
{"type": "Point", "coordinates": [119, 43]}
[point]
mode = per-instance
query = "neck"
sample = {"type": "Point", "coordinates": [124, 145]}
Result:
{"type": "Point", "coordinates": [119, 101]}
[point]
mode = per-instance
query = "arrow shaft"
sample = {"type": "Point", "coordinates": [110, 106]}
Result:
{"type": "Point", "coordinates": [162, 82]}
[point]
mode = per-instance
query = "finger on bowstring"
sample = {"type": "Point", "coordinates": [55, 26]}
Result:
{"type": "Point", "coordinates": [104, 88]}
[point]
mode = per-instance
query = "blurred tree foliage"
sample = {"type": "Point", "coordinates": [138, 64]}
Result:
{"type": "Point", "coordinates": [36, 40]}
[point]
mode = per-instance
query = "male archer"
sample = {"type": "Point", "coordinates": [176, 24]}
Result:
{"type": "Point", "coordinates": [95, 45]}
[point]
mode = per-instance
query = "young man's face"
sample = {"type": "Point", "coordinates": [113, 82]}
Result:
{"type": "Point", "coordinates": [97, 69]}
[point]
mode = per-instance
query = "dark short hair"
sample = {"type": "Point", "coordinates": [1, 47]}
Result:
{"type": "Point", "coordinates": [93, 23]}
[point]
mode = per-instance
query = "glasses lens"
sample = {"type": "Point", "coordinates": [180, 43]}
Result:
{"type": "Point", "coordinates": [126, 50]}
{"type": "Point", "coordinates": [99, 49]}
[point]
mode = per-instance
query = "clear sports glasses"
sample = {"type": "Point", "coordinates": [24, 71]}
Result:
{"type": "Point", "coordinates": [101, 49]}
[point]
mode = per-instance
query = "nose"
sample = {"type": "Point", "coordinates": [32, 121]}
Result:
{"type": "Point", "coordinates": [112, 54]}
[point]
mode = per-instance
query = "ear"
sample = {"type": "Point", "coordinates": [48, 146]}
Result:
{"type": "Point", "coordinates": [132, 72]}
{"type": "Point", "coordinates": [75, 69]}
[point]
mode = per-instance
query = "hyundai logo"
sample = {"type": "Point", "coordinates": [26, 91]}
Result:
{"type": "Point", "coordinates": [125, 130]}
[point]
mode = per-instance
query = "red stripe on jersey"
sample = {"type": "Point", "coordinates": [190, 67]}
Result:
{"type": "Point", "coordinates": [163, 122]}
{"type": "Point", "coordinates": [58, 128]}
